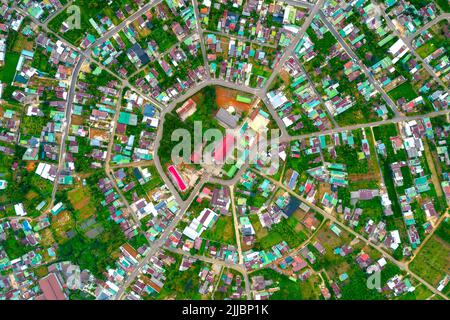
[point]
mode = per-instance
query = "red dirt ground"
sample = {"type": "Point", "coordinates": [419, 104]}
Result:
{"type": "Point", "coordinates": [226, 97]}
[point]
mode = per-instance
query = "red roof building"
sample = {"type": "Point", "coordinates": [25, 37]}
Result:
{"type": "Point", "coordinates": [51, 288]}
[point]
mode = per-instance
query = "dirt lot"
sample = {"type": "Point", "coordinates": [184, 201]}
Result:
{"type": "Point", "coordinates": [77, 120]}
{"type": "Point", "coordinates": [22, 43]}
{"type": "Point", "coordinates": [321, 189]}
{"type": "Point", "coordinates": [31, 195]}
{"type": "Point", "coordinates": [285, 76]}
{"type": "Point", "coordinates": [227, 97]}
{"type": "Point", "coordinates": [47, 237]}
{"type": "Point", "coordinates": [224, 43]}
{"type": "Point", "coordinates": [31, 166]}
{"type": "Point", "coordinates": [62, 223]}
{"type": "Point", "coordinates": [98, 133]}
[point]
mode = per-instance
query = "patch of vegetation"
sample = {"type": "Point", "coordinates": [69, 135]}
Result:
{"type": "Point", "coordinates": [288, 289]}
{"type": "Point", "coordinates": [93, 254]}
{"type": "Point", "coordinates": [222, 231]}
{"type": "Point", "coordinates": [285, 230]}
{"type": "Point", "coordinates": [181, 284]}
{"type": "Point", "coordinates": [433, 260]}
{"type": "Point", "coordinates": [13, 246]}
{"type": "Point", "coordinates": [405, 90]}
{"type": "Point", "coordinates": [8, 71]}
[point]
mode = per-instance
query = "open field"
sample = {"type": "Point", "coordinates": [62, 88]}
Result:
{"type": "Point", "coordinates": [227, 97]}
{"type": "Point", "coordinates": [81, 201]}
{"type": "Point", "coordinates": [290, 290]}
{"type": "Point", "coordinates": [433, 260]}
{"type": "Point", "coordinates": [222, 231]}
{"type": "Point", "coordinates": [9, 69]}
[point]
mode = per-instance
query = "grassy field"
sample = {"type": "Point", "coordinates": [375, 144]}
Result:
{"type": "Point", "coordinates": [8, 71]}
{"type": "Point", "coordinates": [444, 5]}
{"type": "Point", "coordinates": [426, 49]}
{"type": "Point", "coordinates": [33, 125]}
{"type": "Point", "coordinates": [421, 293]}
{"type": "Point", "coordinates": [222, 231]}
{"type": "Point", "coordinates": [181, 284]}
{"type": "Point", "coordinates": [371, 209]}
{"type": "Point", "coordinates": [334, 264]}
{"type": "Point", "coordinates": [285, 230]}
{"type": "Point", "coordinates": [290, 290]}
{"type": "Point", "coordinates": [433, 260]}
{"type": "Point", "coordinates": [13, 246]}
{"type": "Point", "coordinates": [259, 230]}
{"type": "Point", "coordinates": [80, 198]}
{"type": "Point", "coordinates": [405, 90]}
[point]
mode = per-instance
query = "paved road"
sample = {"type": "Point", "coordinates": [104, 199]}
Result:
{"type": "Point", "coordinates": [428, 237]}
{"type": "Point", "coordinates": [242, 39]}
{"type": "Point", "coordinates": [125, 22]}
{"type": "Point", "coordinates": [184, 205]}
{"type": "Point", "coordinates": [108, 169]}
{"type": "Point", "coordinates": [232, 181]}
{"type": "Point", "coordinates": [332, 218]}
{"type": "Point", "coordinates": [157, 161]}
{"type": "Point", "coordinates": [444, 16]}
{"type": "Point", "coordinates": [236, 225]}
{"type": "Point", "coordinates": [313, 86]}
{"type": "Point", "coordinates": [363, 67]}
{"type": "Point", "coordinates": [383, 183]}
{"type": "Point", "coordinates": [372, 124]}
{"type": "Point", "coordinates": [407, 42]}
{"type": "Point", "coordinates": [200, 35]}
{"type": "Point", "coordinates": [226, 264]}
{"type": "Point", "coordinates": [157, 244]}
{"type": "Point", "coordinates": [183, 97]}
{"type": "Point", "coordinates": [142, 163]}
{"type": "Point", "coordinates": [300, 246]}
{"type": "Point", "coordinates": [66, 125]}
{"type": "Point", "coordinates": [56, 12]}
{"type": "Point", "coordinates": [298, 3]}
{"type": "Point", "coordinates": [290, 49]}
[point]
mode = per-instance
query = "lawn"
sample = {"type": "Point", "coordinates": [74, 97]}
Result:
{"type": "Point", "coordinates": [405, 90]}
{"type": "Point", "coordinates": [426, 49]}
{"type": "Point", "coordinates": [222, 231]}
{"type": "Point", "coordinates": [371, 209]}
{"type": "Point", "coordinates": [80, 198]}
{"type": "Point", "coordinates": [13, 246]}
{"type": "Point", "coordinates": [433, 260]}
{"type": "Point", "coordinates": [285, 230]}
{"type": "Point", "coordinates": [164, 39]}
{"type": "Point", "coordinates": [8, 71]}
{"type": "Point", "coordinates": [259, 230]}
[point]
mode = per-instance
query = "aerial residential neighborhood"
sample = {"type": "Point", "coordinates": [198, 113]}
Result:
{"type": "Point", "coordinates": [224, 150]}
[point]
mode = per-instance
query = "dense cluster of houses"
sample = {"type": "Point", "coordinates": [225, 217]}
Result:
{"type": "Point", "coordinates": [304, 96]}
